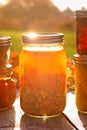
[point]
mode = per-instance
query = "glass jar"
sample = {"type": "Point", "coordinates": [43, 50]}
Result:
{"type": "Point", "coordinates": [7, 87]}
{"type": "Point", "coordinates": [5, 42]}
{"type": "Point", "coordinates": [81, 82]}
{"type": "Point", "coordinates": [43, 74]}
{"type": "Point", "coordinates": [81, 32]}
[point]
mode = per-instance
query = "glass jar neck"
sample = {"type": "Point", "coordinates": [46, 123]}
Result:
{"type": "Point", "coordinates": [43, 47]}
{"type": "Point", "coordinates": [43, 44]}
{"type": "Point", "coordinates": [6, 70]}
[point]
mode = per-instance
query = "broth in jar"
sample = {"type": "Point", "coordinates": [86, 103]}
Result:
{"type": "Point", "coordinates": [43, 78]}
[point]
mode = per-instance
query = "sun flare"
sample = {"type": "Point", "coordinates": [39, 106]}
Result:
{"type": "Point", "coordinates": [3, 2]}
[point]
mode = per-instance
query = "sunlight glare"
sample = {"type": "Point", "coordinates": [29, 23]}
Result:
{"type": "Point", "coordinates": [32, 35]}
{"type": "Point", "coordinates": [3, 2]}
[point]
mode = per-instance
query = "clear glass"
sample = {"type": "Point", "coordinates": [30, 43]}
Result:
{"type": "Point", "coordinates": [43, 79]}
{"type": "Point", "coordinates": [4, 50]}
{"type": "Point", "coordinates": [81, 82]}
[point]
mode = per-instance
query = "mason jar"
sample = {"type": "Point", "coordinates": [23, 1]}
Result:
{"type": "Point", "coordinates": [81, 32]}
{"type": "Point", "coordinates": [81, 82]}
{"type": "Point", "coordinates": [5, 42]}
{"type": "Point", "coordinates": [42, 74]}
{"type": "Point", "coordinates": [7, 87]}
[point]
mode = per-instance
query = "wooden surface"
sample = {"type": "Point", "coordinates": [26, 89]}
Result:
{"type": "Point", "coordinates": [71, 119]}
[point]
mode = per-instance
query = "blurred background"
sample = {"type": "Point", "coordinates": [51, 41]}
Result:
{"type": "Point", "coordinates": [24, 16]}
{"type": "Point", "coordinates": [20, 16]}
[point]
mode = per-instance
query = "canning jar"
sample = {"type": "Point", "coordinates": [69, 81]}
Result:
{"type": "Point", "coordinates": [5, 42]}
{"type": "Point", "coordinates": [81, 32]}
{"type": "Point", "coordinates": [81, 82]}
{"type": "Point", "coordinates": [7, 87]}
{"type": "Point", "coordinates": [43, 74]}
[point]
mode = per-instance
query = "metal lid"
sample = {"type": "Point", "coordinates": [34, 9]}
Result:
{"type": "Point", "coordinates": [5, 40]}
{"type": "Point", "coordinates": [82, 59]}
{"type": "Point", "coordinates": [43, 38]}
{"type": "Point", "coordinates": [81, 13]}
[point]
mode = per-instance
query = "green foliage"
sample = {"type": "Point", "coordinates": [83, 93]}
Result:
{"type": "Point", "coordinates": [69, 42]}
{"type": "Point", "coordinates": [16, 39]}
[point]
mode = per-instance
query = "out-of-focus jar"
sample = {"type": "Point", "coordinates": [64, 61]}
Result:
{"type": "Point", "coordinates": [7, 87]}
{"type": "Point", "coordinates": [81, 32]}
{"type": "Point", "coordinates": [5, 42]}
{"type": "Point", "coordinates": [43, 74]}
{"type": "Point", "coordinates": [81, 82]}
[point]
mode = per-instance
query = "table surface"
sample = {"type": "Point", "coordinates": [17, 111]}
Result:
{"type": "Point", "coordinates": [70, 119]}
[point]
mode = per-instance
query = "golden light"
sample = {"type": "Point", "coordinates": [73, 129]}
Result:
{"type": "Point", "coordinates": [3, 2]}
{"type": "Point", "coordinates": [32, 35]}
{"type": "Point", "coordinates": [45, 118]}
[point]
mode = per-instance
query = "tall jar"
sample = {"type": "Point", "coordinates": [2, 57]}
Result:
{"type": "Point", "coordinates": [81, 32]}
{"type": "Point", "coordinates": [5, 42]}
{"type": "Point", "coordinates": [7, 87]}
{"type": "Point", "coordinates": [43, 74]}
{"type": "Point", "coordinates": [81, 82]}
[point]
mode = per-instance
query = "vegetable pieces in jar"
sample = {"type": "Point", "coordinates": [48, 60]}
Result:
{"type": "Point", "coordinates": [43, 77]}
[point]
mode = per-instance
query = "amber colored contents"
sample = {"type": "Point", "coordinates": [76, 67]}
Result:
{"type": "Point", "coordinates": [7, 92]}
{"type": "Point", "coordinates": [81, 36]}
{"type": "Point", "coordinates": [81, 87]}
{"type": "Point", "coordinates": [43, 82]}
{"type": "Point", "coordinates": [14, 61]}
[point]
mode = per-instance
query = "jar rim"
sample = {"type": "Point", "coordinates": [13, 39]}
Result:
{"type": "Point", "coordinates": [80, 58]}
{"type": "Point", "coordinates": [5, 39]}
{"type": "Point", "coordinates": [42, 37]}
{"type": "Point", "coordinates": [81, 13]}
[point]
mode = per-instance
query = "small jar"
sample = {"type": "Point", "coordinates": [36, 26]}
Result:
{"type": "Point", "coordinates": [81, 82]}
{"type": "Point", "coordinates": [43, 74]}
{"type": "Point", "coordinates": [81, 32]}
{"type": "Point", "coordinates": [7, 87]}
{"type": "Point", "coordinates": [5, 42]}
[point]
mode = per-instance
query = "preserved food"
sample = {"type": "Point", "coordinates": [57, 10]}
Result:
{"type": "Point", "coordinates": [7, 82]}
{"type": "Point", "coordinates": [7, 87]}
{"type": "Point", "coordinates": [81, 82]}
{"type": "Point", "coordinates": [43, 77]}
{"type": "Point", "coordinates": [81, 32]}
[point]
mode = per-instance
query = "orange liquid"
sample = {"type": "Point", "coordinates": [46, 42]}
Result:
{"type": "Point", "coordinates": [7, 93]}
{"type": "Point", "coordinates": [81, 87]}
{"type": "Point", "coordinates": [43, 82]}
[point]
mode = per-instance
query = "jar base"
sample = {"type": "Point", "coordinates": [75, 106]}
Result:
{"type": "Point", "coordinates": [44, 117]}
{"type": "Point", "coordinates": [6, 108]}
{"type": "Point", "coordinates": [84, 112]}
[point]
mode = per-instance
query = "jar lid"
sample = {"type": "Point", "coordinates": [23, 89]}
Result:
{"type": "Point", "coordinates": [82, 59]}
{"type": "Point", "coordinates": [5, 40]}
{"type": "Point", "coordinates": [42, 37]}
{"type": "Point", "coordinates": [81, 13]}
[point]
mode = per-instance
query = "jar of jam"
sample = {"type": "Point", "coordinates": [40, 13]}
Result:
{"type": "Point", "coordinates": [81, 82]}
{"type": "Point", "coordinates": [43, 74]}
{"type": "Point", "coordinates": [7, 87]}
{"type": "Point", "coordinates": [5, 42]}
{"type": "Point", "coordinates": [81, 32]}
